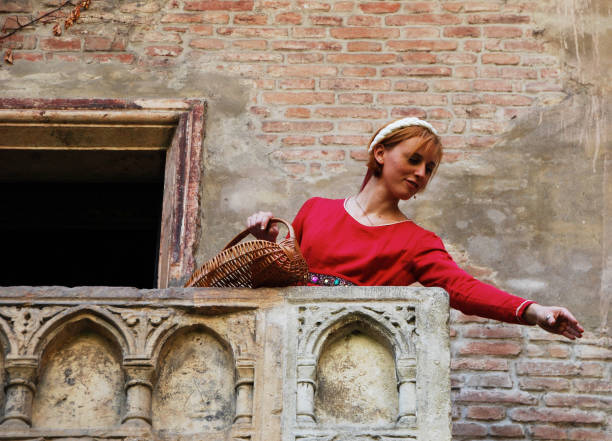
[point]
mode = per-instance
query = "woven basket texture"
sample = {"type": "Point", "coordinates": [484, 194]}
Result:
{"type": "Point", "coordinates": [254, 264]}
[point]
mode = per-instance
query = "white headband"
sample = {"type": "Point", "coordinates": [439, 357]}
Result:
{"type": "Point", "coordinates": [400, 124]}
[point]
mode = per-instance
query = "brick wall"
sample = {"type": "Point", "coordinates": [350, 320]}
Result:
{"type": "Point", "coordinates": [324, 75]}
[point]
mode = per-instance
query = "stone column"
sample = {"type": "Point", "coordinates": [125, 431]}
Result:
{"type": "Point", "coordinates": [244, 391]}
{"type": "Point", "coordinates": [306, 387]}
{"type": "Point", "coordinates": [406, 385]}
{"type": "Point", "coordinates": [138, 389]}
{"type": "Point", "coordinates": [20, 391]}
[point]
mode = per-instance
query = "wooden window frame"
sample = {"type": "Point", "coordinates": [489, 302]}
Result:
{"type": "Point", "coordinates": [181, 201]}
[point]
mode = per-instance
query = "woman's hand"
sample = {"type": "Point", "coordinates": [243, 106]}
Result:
{"type": "Point", "coordinates": [258, 226]}
{"type": "Point", "coordinates": [554, 319]}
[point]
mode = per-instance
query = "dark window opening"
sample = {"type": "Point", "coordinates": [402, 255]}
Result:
{"type": "Point", "coordinates": [80, 217]}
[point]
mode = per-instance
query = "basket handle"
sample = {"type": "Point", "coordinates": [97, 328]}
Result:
{"type": "Point", "coordinates": [246, 232]}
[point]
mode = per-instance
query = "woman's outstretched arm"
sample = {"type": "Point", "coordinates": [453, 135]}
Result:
{"type": "Point", "coordinates": [554, 319]}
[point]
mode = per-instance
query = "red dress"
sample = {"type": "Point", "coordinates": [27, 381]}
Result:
{"type": "Point", "coordinates": [398, 254]}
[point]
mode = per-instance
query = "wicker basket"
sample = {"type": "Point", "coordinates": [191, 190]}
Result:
{"type": "Point", "coordinates": [254, 264]}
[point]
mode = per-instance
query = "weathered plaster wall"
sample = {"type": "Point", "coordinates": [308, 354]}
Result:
{"type": "Point", "coordinates": [520, 91]}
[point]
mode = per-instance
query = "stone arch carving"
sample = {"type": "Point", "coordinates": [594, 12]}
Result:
{"type": "Point", "coordinates": [194, 388]}
{"type": "Point", "coordinates": [391, 326]}
{"type": "Point", "coordinates": [81, 383]}
{"type": "Point", "coordinates": [5, 340]}
{"type": "Point", "coordinates": [101, 317]}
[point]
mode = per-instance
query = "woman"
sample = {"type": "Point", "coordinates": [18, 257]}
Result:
{"type": "Point", "coordinates": [366, 239]}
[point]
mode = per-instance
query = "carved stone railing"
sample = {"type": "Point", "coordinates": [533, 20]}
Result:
{"type": "Point", "coordinates": [308, 364]}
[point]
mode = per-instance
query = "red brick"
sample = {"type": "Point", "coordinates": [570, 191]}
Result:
{"type": "Point", "coordinates": [355, 98]}
{"type": "Point", "coordinates": [110, 58]}
{"type": "Point", "coordinates": [500, 59]}
{"type": "Point", "coordinates": [550, 73]}
{"type": "Point", "coordinates": [15, 6]}
{"type": "Point", "coordinates": [355, 126]}
{"type": "Point", "coordinates": [493, 85]}
{"type": "Point", "coordinates": [441, 114]}
{"type": "Point", "coordinates": [252, 32]}
{"type": "Point", "coordinates": [558, 351]}
{"type": "Point", "coordinates": [475, 111]}
{"type": "Point", "coordinates": [273, 5]}
{"type": "Point", "coordinates": [486, 412]}
{"type": "Point", "coordinates": [593, 386]}
{"type": "Point", "coordinates": [429, 71]}
{"type": "Point", "coordinates": [453, 86]}
{"type": "Point", "coordinates": [306, 126]}
{"type": "Point", "coordinates": [542, 86]}
{"type": "Point", "coordinates": [164, 51]}
{"type": "Point", "coordinates": [480, 364]}
{"type": "Point", "coordinates": [573, 400]}
{"type": "Point", "coordinates": [403, 112]}
{"type": "Point", "coordinates": [325, 20]}
{"type": "Point", "coordinates": [417, 58]}
{"type": "Point", "coordinates": [98, 43]}
{"type": "Point", "coordinates": [508, 100]}
{"type": "Point", "coordinates": [420, 32]}
{"type": "Point", "coordinates": [465, 72]}
{"type": "Point", "coordinates": [289, 18]}
{"type": "Point", "coordinates": [364, 32]}
{"type": "Point", "coordinates": [297, 84]}
{"type": "Point", "coordinates": [588, 435]}
{"type": "Point", "coordinates": [491, 331]}
{"type": "Point", "coordinates": [312, 5]}
{"type": "Point", "coordinates": [410, 85]}
{"type": "Point", "coordinates": [480, 142]}
{"type": "Point", "coordinates": [438, 19]}
{"type": "Point", "coordinates": [543, 384]}
{"type": "Point", "coordinates": [60, 44]}
{"type": "Point", "coordinates": [260, 111]}
{"type": "Point", "coordinates": [343, 6]}
{"type": "Point", "coordinates": [294, 170]}
{"type": "Point", "coordinates": [301, 32]}
{"type": "Point", "coordinates": [548, 432]}
{"type": "Point", "coordinates": [300, 45]}
{"type": "Point", "coordinates": [219, 5]}
{"type": "Point", "coordinates": [364, 20]}
{"type": "Point", "coordinates": [351, 112]}
{"type": "Point", "coordinates": [498, 18]}
{"type": "Point", "coordinates": [507, 430]}
{"type": "Point", "coordinates": [64, 58]}
{"type": "Point", "coordinates": [298, 97]}
{"type": "Point", "coordinates": [410, 99]}
{"type": "Point", "coordinates": [297, 112]}
{"type": "Point", "coordinates": [496, 380]}
{"type": "Point", "coordinates": [27, 56]}
{"type": "Point", "coordinates": [13, 22]}
{"type": "Point", "coordinates": [495, 396]}
{"type": "Point", "coordinates": [251, 19]}
{"type": "Point", "coordinates": [363, 46]}
{"type": "Point", "coordinates": [422, 45]}
{"type": "Point", "coordinates": [379, 7]}
{"type": "Point", "coordinates": [418, 7]}
{"type": "Point", "coordinates": [457, 58]}
{"type": "Point", "coordinates": [503, 32]}
{"type": "Point", "coordinates": [19, 41]}
{"type": "Point", "coordinates": [548, 368]}
{"type": "Point", "coordinates": [490, 348]}
{"type": "Point", "coordinates": [248, 44]}
{"type": "Point", "coordinates": [473, 45]}
{"type": "Point", "coordinates": [556, 415]}
{"type": "Point", "coordinates": [359, 71]}
{"type": "Point", "coordinates": [208, 44]}
{"type": "Point", "coordinates": [303, 71]}
{"type": "Point", "coordinates": [524, 45]}
{"type": "Point", "coordinates": [344, 140]}
{"type": "Point", "coordinates": [458, 126]}
{"type": "Point", "coordinates": [359, 155]}
{"type": "Point", "coordinates": [361, 58]}
{"type": "Point", "coordinates": [302, 58]}
{"type": "Point", "coordinates": [469, 429]}
{"type": "Point", "coordinates": [309, 155]}
{"type": "Point", "coordinates": [182, 18]}
{"type": "Point", "coordinates": [593, 352]}
{"type": "Point", "coordinates": [461, 31]}
{"type": "Point", "coordinates": [298, 140]}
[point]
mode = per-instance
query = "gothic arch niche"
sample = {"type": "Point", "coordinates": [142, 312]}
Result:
{"type": "Point", "coordinates": [356, 377]}
{"type": "Point", "coordinates": [194, 391]}
{"type": "Point", "coordinates": [4, 348]}
{"type": "Point", "coordinates": [81, 381]}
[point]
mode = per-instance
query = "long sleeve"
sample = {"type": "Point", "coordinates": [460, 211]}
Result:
{"type": "Point", "coordinates": [433, 266]}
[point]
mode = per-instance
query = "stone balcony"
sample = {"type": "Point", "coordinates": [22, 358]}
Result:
{"type": "Point", "coordinates": [308, 364]}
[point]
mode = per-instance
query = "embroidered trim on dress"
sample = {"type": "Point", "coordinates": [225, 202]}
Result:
{"type": "Point", "coordinates": [327, 280]}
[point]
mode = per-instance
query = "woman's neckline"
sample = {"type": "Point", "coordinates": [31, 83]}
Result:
{"type": "Point", "coordinates": [370, 226]}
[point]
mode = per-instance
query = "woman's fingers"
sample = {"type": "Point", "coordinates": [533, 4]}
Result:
{"type": "Point", "coordinates": [558, 320]}
{"type": "Point", "coordinates": [259, 225]}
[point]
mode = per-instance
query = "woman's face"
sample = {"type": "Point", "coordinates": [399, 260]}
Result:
{"type": "Point", "coordinates": [407, 167]}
